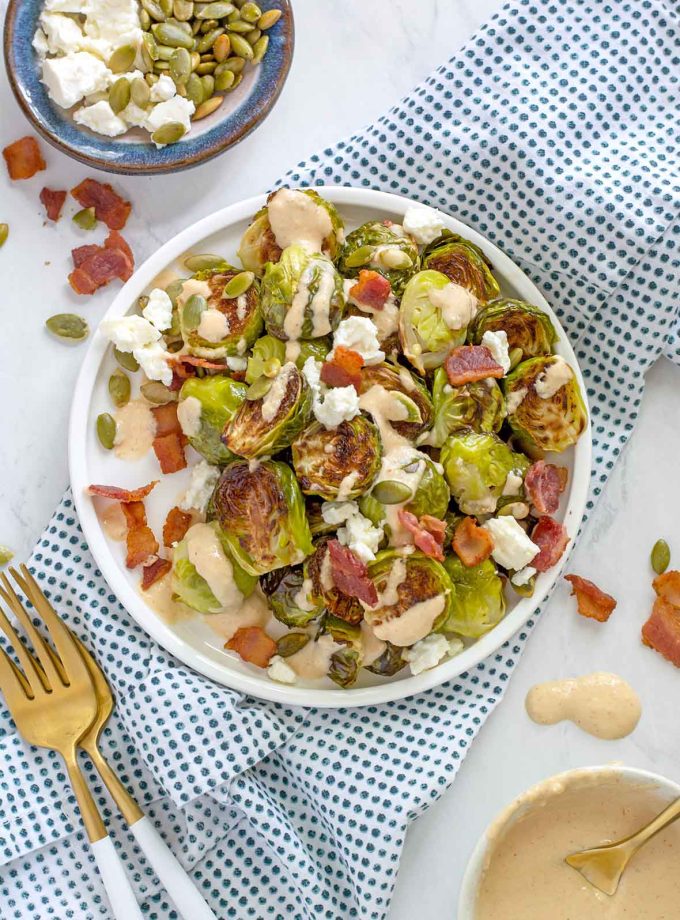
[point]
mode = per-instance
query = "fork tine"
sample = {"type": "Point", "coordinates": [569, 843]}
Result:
{"type": "Point", "coordinates": [10, 684]}
{"type": "Point", "coordinates": [35, 678]}
{"type": "Point", "coordinates": [11, 599]}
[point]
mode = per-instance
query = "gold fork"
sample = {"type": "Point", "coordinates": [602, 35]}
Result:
{"type": "Point", "coordinates": [53, 708]}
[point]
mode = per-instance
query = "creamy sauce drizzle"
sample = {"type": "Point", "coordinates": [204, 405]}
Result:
{"type": "Point", "coordinates": [253, 611]}
{"type": "Point", "coordinates": [193, 286]}
{"type": "Point", "coordinates": [113, 522]}
{"type": "Point", "coordinates": [458, 306]}
{"type": "Point", "coordinates": [372, 647]}
{"type": "Point", "coordinates": [213, 326]}
{"type": "Point", "coordinates": [208, 557]}
{"type": "Point", "coordinates": [135, 430]}
{"type": "Point", "coordinates": [319, 304]}
{"type": "Point", "coordinates": [313, 660]}
{"type": "Point", "coordinates": [385, 409]}
{"type": "Point", "coordinates": [273, 399]}
{"type": "Point", "coordinates": [159, 597]}
{"type": "Point", "coordinates": [412, 624]}
{"type": "Point", "coordinates": [293, 348]}
{"type": "Point", "coordinates": [296, 218]}
{"type": "Point", "coordinates": [393, 468]}
{"type": "Point", "coordinates": [346, 486]}
{"type": "Point", "coordinates": [553, 378]}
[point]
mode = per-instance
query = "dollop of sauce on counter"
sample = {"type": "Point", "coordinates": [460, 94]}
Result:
{"type": "Point", "coordinates": [525, 876]}
{"type": "Point", "coordinates": [602, 704]}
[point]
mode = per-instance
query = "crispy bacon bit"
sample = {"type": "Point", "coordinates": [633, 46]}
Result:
{"type": "Point", "coordinates": [176, 525]}
{"type": "Point", "coordinates": [122, 495]}
{"type": "Point", "coordinates": [667, 586]}
{"type": "Point", "coordinates": [96, 266]}
{"type": "Point", "coordinates": [343, 369]}
{"type": "Point", "coordinates": [551, 539]}
{"type": "Point", "coordinates": [154, 571]}
{"type": "Point", "coordinates": [53, 201]}
{"type": "Point", "coordinates": [468, 363]}
{"type": "Point", "coordinates": [141, 543]}
{"type": "Point", "coordinates": [543, 485]}
{"type": "Point", "coordinates": [166, 419]}
{"type": "Point", "coordinates": [179, 361]}
{"type": "Point", "coordinates": [472, 543]}
{"type": "Point", "coordinates": [371, 290]}
{"type": "Point", "coordinates": [81, 254]}
{"type": "Point", "coordinates": [107, 203]}
{"type": "Point", "coordinates": [592, 602]}
{"type": "Point", "coordinates": [350, 575]}
{"type": "Point", "coordinates": [662, 630]}
{"type": "Point", "coordinates": [23, 158]}
{"type": "Point", "coordinates": [169, 450]}
{"type": "Point", "coordinates": [428, 537]}
{"type": "Point", "coordinates": [253, 644]}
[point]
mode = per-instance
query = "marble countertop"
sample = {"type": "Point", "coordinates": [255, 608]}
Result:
{"type": "Point", "coordinates": [379, 51]}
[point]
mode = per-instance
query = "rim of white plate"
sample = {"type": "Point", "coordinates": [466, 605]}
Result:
{"type": "Point", "coordinates": [262, 686]}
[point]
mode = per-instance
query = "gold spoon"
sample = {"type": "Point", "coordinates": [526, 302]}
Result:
{"type": "Point", "coordinates": [604, 866]}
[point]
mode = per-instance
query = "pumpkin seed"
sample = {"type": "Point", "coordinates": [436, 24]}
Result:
{"type": "Point", "coordinates": [6, 555]}
{"type": "Point", "coordinates": [122, 59]}
{"type": "Point", "coordinates": [174, 347]}
{"type": "Point", "coordinates": [119, 388]}
{"type": "Point", "coordinates": [151, 78]}
{"type": "Point", "coordinates": [222, 47]}
{"type": "Point", "coordinates": [224, 81]}
{"type": "Point", "coordinates": [181, 90]}
{"type": "Point", "coordinates": [260, 49]}
{"type": "Point", "coordinates": [4, 233]}
{"type": "Point", "coordinates": [259, 388]}
{"type": "Point", "coordinates": [360, 256]}
{"type": "Point", "coordinates": [252, 36]}
{"type": "Point", "coordinates": [85, 219]}
{"type": "Point", "coordinates": [168, 133]}
{"type": "Point", "coordinates": [238, 285]}
{"type": "Point", "coordinates": [202, 261]}
{"type": "Point", "coordinates": [196, 26]}
{"type": "Point", "coordinates": [144, 20]}
{"type": "Point", "coordinates": [68, 326]}
{"type": "Point", "coordinates": [186, 26]}
{"type": "Point", "coordinates": [192, 310]}
{"type": "Point", "coordinates": [106, 430]}
{"type": "Point", "coordinates": [119, 95]}
{"type": "Point", "coordinates": [235, 64]}
{"type": "Point", "coordinates": [180, 65]}
{"type": "Point", "coordinates": [208, 56]}
{"type": "Point", "coordinates": [240, 27]}
{"type": "Point", "coordinates": [394, 258]}
{"type": "Point", "coordinates": [161, 67]}
{"type": "Point", "coordinates": [174, 289]}
{"type": "Point", "coordinates": [149, 49]}
{"type": "Point", "coordinates": [241, 48]}
{"type": "Point", "coordinates": [167, 33]}
{"type": "Point", "coordinates": [208, 84]}
{"type": "Point", "coordinates": [208, 40]}
{"type": "Point", "coordinates": [236, 15]}
{"type": "Point", "coordinates": [661, 556]}
{"type": "Point", "coordinates": [142, 303]}
{"type": "Point", "coordinates": [154, 10]}
{"type": "Point", "coordinates": [271, 367]}
{"type": "Point", "coordinates": [139, 92]}
{"type": "Point", "coordinates": [195, 89]}
{"type": "Point", "coordinates": [195, 59]}
{"type": "Point", "coordinates": [391, 492]}
{"type": "Point", "coordinates": [250, 12]}
{"type": "Point", "coordinates": [217, 10]}
{"type": "Point", "coordinates": [126, 360]}
{"type": "Point", "coordinates": [165, 52]}
{"type": "Point", "coordinates": [208, 25]}
{"type": "Point", "coordinates": [183, 10]}
{"type": "Point", "coordinates": [291, 643]}
{"type": "Point", "coordinates": [157, 393]}
{"type": "Point", "coordinates": [268, 19]}
{"type": "Point", "coordinates": [239, 79]}
{"type": "Point", "coordinates": [518, 510]}
{"type": "Point", "coordinates": [206, 68]}
{"type": "Point", "coordinates": [526, 590]}
{"type": "Point", "coordinates": [166, 6]}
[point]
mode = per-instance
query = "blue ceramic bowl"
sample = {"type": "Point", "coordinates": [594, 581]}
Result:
{"type": "Point", "coordinates": [239, 114]}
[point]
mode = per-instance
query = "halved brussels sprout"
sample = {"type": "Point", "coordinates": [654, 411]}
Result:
{"type": "Point", "coordinates": [433, 318]}
{"type": "Point", "coordinates": [476, 466]}
{"type": "Point", "coordinates": [268, 350]}
{"type": "Point", "coordinates": [390, 662]}
{"type": "Point", "coordinates": [345, 662]}
{"type": "Point", "coordinates": [529, 330]}
{"type": "Point", "coordinates": [545, 407]}
{"type": "Point", "coordinates": [415, 396]}
{"type": "Point", "coordinates": [302, 295]}
{"type": "Point", "coordinates": [291, 596]}
{"type": "Point", "coordinates": [341, 608]}
{"type": "Point", "coordinates": [414, 597]}
{"type": "Point", "coordinates": [267, 424]}
{"type": "Point", "coordinates": [212, 325]}
{"type": "Point", "coordinates": [383, 247]}
{"type": "Point", "coordinates": [479, 406]}
{"type": "Point", "coordinates": [464, 263]}
{"type": "Point", "coordinates": [262, 513]}
{"type": "Point", "coordinates": [478, 598]}
{"type": "Point", "coordinates": [260, 245]}
{"type": "Point", "coordinates": [339, 462]}
{"type": "Point", "coordinates": [431, 494]}
{"type": "Point", "coordinates": [219, 398]}
{"type": "Point", "coordinates": [192, 589]}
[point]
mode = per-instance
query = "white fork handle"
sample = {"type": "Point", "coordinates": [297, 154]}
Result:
{"type": "Point", "coordinates": [187, 898]}
{"type": "Point", "coordinates": [117, 884]}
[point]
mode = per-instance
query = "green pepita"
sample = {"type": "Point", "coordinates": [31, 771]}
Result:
{"type": "Point", "coordinates": [106, 430]}
{"type": "Point", "coordinates": [165, 52]}
{"type": "Point", "coordinates": [196, 26]}
{"type": "Point", "coordinates": [208, 40]}
{"type": "Point", "coordinates": [526, 590]}
{"type": "Point", "coordinates": [119, 388]}
{"type": "Point", "coordinates": [183, 10]}
{"type": "Point", "coordinates": [144, 20]}
{"type": "Point", "coordinates": [236, 14]}
{"type": "Point", "coordinates": [208, 25]}
{"type": "Point", "coordinates": [235, 64]}
{"type": "Point", "coordinates": [217, 10]}
{"type": "Point", "coordinates": [222, 47]}
{"type": "Point", "coordinates": [238, 285]}
{"type": "Point", "coordinates": [195, 59]}
{"type": "Point", "coordinates": [260, 49]}
{"type": "Point", "coordinates": [224, 81]}
{"type": "Point", "coordinates": [393, 258]}
{"type": "Point", "coordinates": [154, 10]}
{"type": "Point", "coordinates": [140, 92]}
{"type": "Point", "coordinates": [157, 393]}
{"type": "Point", "coordinates": [4, 233]}
{"type": "Point", "coordinates": [206, 68]}
{"type": "Point", "coordinates": [6, 555]}
{"type": "Point", "coordinates": [119, 95]}
{"type": "Point", "coordinates": [241, 48]}
{"type": "Point", "coordinates": [239, 27]}
{"type": "Point", "coordinates": [151, 78]}
{"type": "Point", "coordinates": [268, 19]}
{"type": "Point", "coordinates": [122, 59]}
{"type": "Point", "coordinates": [291, 643]}
{"type": "Point", "coordinates": [161, 67]}
{"type": "Point", "coordinates": [180, 65]}
{"type": "Point", "coordinates": [195, 89]}
{"type": "Point", "coordinates": [391, 492]}
{"type": "Point", "coordinates": [68, 326]}
{"type": "Point", "coordinates": [202, 261]}
{"type": "Point", "coordinates": [169, 133]}
{"type": "Point", "coordinates": [252, 36]}
{"type": "Point", "coordinates": [208, 84]}
{"type": "Point", "coordinates": [661, 556]}
{"type": "Point", "coordinates": [126, 359]}
{"type": "Point", "coordinates": [238, 79]}
{"type": "Point", "coordinates": [259, 388]}
{"type": "Point", "coordinates": [192, 310]}
{"type": "Point", "coordinates": [174, 289]}
{"type": "Point", "coordinates": [149, 49]}
{"type": "Point", "coordinates": [166, 33]}
{"type": "Point", "coordinates": [85, 219]}
{"type": "Point", "coordinates": [360, 256]}
{"type": "Point", "coordinates": [250, 12]}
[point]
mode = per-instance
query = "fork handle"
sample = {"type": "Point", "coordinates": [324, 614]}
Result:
{"type": "Point", "coordinates": [116, 883]}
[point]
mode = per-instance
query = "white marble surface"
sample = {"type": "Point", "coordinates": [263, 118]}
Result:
{"type": "Point", "coordinates": [352, 61]}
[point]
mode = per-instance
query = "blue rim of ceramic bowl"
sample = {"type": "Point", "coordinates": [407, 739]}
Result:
{"type": "Point", "coordinates": [117, 154]}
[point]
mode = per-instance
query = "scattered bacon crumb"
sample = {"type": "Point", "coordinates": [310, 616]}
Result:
{"type": "Point", "coordinates": [350, 575]}
{"type": "Point", "coordinates": [371, 290]}
{"type": "Point", "coordinates": [428, 533]}
{"type": "Point", "coordinates": [23, 158]}
{"type": "Point", "coordinates": [667, 586]}
{"type": "Point", "coordinates": [141, 543]}
{"type": "Point", "coordinates": [468, 363]}
{"type": "Point", "coordinates": [81, 254]}
{"type": "Point", "coordinates": [662, 630]}
{"type": "Point", "coordinates": [472, 543]}
{"type": "Point", "coordinates": [543, 484]}
{"type": "Point", "coordinates": [154, 571]}
{"type": "Point", "coordinates": [592, 602]}
{"type": "Point", "coordinates": [169, 450]}
{"type": "Point", "coordinates": [253, 644]}
{"type": "Point", "coordinates": [107, 203]}
{"type": "Point", "coordinates": [551, 539]}
{"type": "Point", "coordinates": [53, 201]}
{"type": "Point", "coordinates": [123, 495]}
{"type": "Point", "coordinates": [343, 369]}
{"type": "Point", "coordinates": [176, 525]}
{"type": "Point", "coordinates": [96, 266]}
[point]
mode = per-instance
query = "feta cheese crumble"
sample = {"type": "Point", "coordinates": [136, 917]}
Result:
{"type": "Point", "coordinates": [512, 548]}
{"type": "Point", "coordinates": [129, 332]}
{"type": "Point", "coordinates": [70, 78]}
{"type": "Point", "coordinates": [153, 360]}
{"type": "Point", "coordinates": [428, 652]}
{"type": "Point", "coordinates": [279, 670]}
{"type": "Point", "coordinates": [101, 118]}
{"type": "Point", "coordinates": [201, 486]}
{"type": "Point", "coordinates": [359, 533]}
{"type": "Point", "coordinates": [158, 310]}
{"type": "Point", "coordinates": [163, 90]}
{"type": "Point", "coordinates": [497, 343]}
{"type": "Point", "coordinates": [330, 406]}
{"type": "Point", "coordinates": [359, 334]}
{"type": "Point", "coordinates": [524, 576]}
{"type": "Point", "coordinates": [189, 416]}
{"type": "Point", "coordinates": [423, 224]}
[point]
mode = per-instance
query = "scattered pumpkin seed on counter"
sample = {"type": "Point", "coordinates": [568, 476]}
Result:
{"type": "Point", "coordinates": [68, 326]}
{"type": "Point", "coordinates": [85, 219]}
{"type": "Point", "coordinates": [661, 556]}
{"type": "Point", "coordinates": [4, 233]}
{"type": "Point", "coordinates": [6, 555]}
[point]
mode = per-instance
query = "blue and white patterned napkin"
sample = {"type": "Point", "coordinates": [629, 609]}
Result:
{"type": "Point", "coordinates": [554, 132]}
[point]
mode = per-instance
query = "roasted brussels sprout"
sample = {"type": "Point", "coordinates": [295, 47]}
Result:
{"type": "Point", "coordinates": [339, 463]}
{"type": "Point", "coordinates": [262, 513]}
{"type": "Point", "coordinates": [390, 662]}
{"type": "Point", "coordinates": [206, 404]}
{"type": "Point", "coordinates": [291, 596]}
{"type": "Point", "coordinates": [302, 295]}
{"type": "Point", "coordinates": [423, 488]}
{"type": "Point", "coordinates": [414, 396]}
{"type": "Point", "coordinates": [529, 330]}
{"type": "Point", "coordinates": [345, 662]}
{"type": "Point", "coordinates": [463, 263]}
{"type": "Point", "coordinates": [545, 407]}
{"type": "Point", "coordinates": [266, 424]}
{"type": "Point", "coordinates": [476, 466]}
{"type": "Point", "coordinates": [479, 406]}
{"type": "Point", "coordinates": [340, 607]}
{"type": "Point", "coordinates": [415, 597]}
{"type": "Point", "coordinates": [269, 353]}
{"type": "Point", "coordinates": [383, 247]}
{"type": "Point", "coordinates": [433, 318]}
{"type": "Point", "coordinates": [291, 216]}
{"type": "Point", "coordinates": [215, 326]}
{"type": "Point", "coordinates": [478, 598]}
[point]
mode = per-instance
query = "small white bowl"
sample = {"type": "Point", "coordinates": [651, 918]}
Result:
{"type": "Point", "coordinates": [473, 871]}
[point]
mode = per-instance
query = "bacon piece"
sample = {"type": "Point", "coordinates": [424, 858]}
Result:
{"type": "Point", "coordinates": [81, 254]}
{"type": "Point", "coordinates": [472, 543]}
{"type": "Point", "coordinates": [429, 542]}
{"type": "Point", "coordinates": [350, 575]}
{"type": "Point", "coordinates": [468, 363]}
{"type": "Point", "coordinates": [592, 602]}
{"type": "Point", "coordinates": [169, 450]}
{"type": "Point", "coordinates": [253, 644]}
{"type": "Point", "coordinates": [551, 539]}
{"type": "Point", "coordinates": [662, 630]}
{"type": "Point", "coordinates": [53, 201]}
{"type": "Point", "coordinates": [193, 361]}
{"type": "Point", "coordinates": [123, 495]}
{"type": "Point", "coordinates": [96, 266]}
{"type": "Point", "coordinates": [107, 203]}
{"type": "Point", "coordinates": [166, 419]}
{"type": "Point", "coordinates": [176, 525]}
{"type": "Point", "coordinates": [154, 571]}
{"type": "Point", "coordinates": [667, 586]}
{"type": "Point", "coordinates": [141, 543]}
{"type": "Point", "coordinates": [343, 369]}
{"type": "Point", "coordinates": [23, 158]}
{"type": "Point", "coordinates": [544, 484]}
{"type": "Point", "coordinates": [371, 290]}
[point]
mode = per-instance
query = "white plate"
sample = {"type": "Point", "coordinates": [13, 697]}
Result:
{"type": "Point", "coordinates": [191, 640]}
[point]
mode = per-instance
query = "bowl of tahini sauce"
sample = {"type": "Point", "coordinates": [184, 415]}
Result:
{"type": "Point", "coordinates": [517, 870]}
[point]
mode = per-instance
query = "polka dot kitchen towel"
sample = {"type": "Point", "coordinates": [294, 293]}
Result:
{"type": "Point", "coordinates": [554, 132]}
